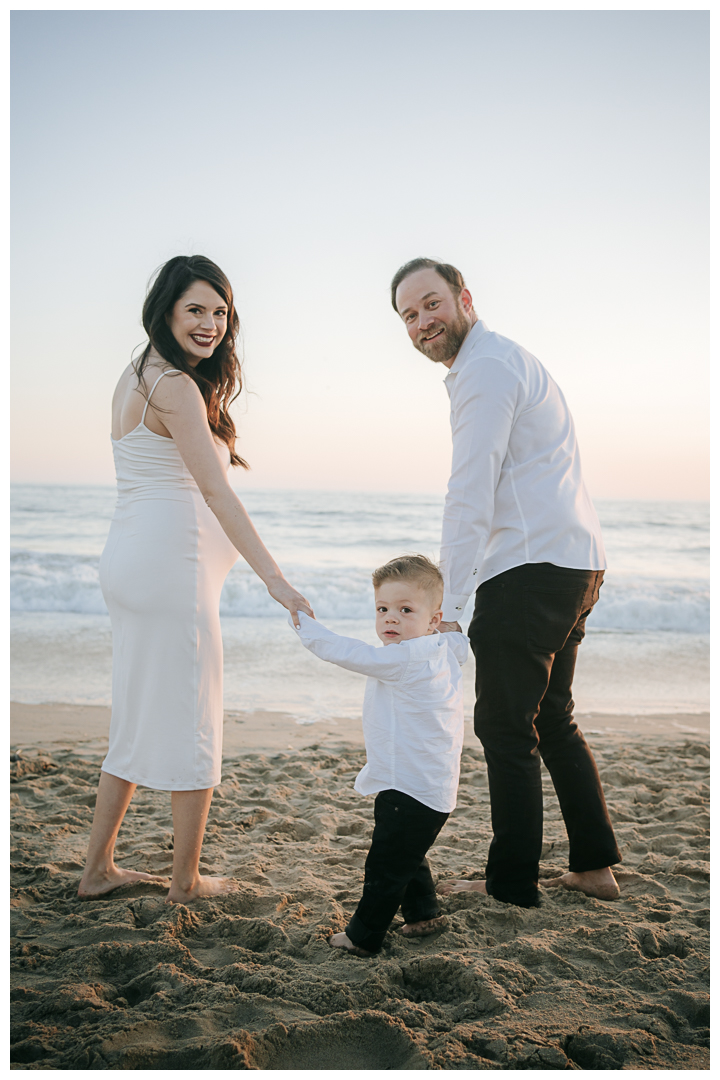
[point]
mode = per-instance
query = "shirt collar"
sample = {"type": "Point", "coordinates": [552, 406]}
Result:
{"type": "Point", "coordinates": [425, 641]}
{"type": "Point", "coordinates": [463, 355]}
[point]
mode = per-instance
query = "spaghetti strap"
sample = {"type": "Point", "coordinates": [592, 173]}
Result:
{"type": "Point", "coordinates": [150, 395]}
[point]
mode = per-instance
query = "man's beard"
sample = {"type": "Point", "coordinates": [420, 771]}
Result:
{"type": "Point", "coordinates": [448, 344]}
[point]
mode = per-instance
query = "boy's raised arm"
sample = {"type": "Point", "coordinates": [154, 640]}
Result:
{"type": "Point", "coordinates": [386, 662]}
{"type": "Point", "coordinates": [459, 643]}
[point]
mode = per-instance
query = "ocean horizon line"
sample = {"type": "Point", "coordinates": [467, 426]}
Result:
{"type": "Point", "coordinates": [110, 485]}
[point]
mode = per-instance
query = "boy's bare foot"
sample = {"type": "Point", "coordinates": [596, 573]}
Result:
{"type": "Point", "coordinates": [427, 926]}
{"type": "Point", "coordinates": [97, 884]}
{"type": "Point", "coordinates": [598, 883]}
{"type": "Point", "coordinates": [342, 941]}
{"type": "Point", "coordinates": [455, 885]}
{"type": "Point", "coordinates": [202, 886]}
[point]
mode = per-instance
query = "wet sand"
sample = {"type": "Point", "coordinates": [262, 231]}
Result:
{"type": "Point", "coordinates": [248, 980]}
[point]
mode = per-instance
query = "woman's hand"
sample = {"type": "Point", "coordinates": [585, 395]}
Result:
{"type": "Point", "coordinates": [282, 591]}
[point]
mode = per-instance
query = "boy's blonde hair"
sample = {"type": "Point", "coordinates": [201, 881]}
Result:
{"type": "Point", "coordinates": [412, 568]}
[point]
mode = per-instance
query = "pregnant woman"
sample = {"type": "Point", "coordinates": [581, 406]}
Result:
{"type": "Point", "coordinates": [177, 530]}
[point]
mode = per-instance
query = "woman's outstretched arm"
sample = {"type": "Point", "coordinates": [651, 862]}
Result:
{"type": "Point", "coordinates": [181, 409]}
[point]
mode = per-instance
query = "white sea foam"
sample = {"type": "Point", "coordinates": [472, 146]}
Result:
{"type": "Point", "coordinates": [646, 650]}
{"type": "Point", "coordinates": [44, 581]}
{"type": "Point", "coordinates": [41, 581]}
{"type": "Point", "coordinates": [644, 603]}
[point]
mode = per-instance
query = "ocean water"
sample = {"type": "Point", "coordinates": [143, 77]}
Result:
{"type": "Point", "coordinates": [646, 649]}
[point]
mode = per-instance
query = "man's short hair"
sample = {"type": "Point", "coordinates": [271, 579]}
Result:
{"type": "Point", "coordinates": [451, 274]}
{"type": "Point", "coordinates": [412, 568]}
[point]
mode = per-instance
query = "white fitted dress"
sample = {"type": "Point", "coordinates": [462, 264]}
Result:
{"type": "Point", "coordinates": [161, 574]}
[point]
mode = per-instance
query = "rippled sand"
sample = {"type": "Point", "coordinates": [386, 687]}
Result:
{"type": "Point", "coordinates": [248, 981]}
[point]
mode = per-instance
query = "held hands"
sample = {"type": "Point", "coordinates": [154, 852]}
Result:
{"type": "Point", "coordinates": [282, 591]}
{"type": "Point", "coordinates": [446, 627]}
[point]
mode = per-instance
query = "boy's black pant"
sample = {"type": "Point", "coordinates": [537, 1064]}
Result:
{"type": "Point", "coordinates": [397, 874]}
{"type": "Point", "coordinates": [525, 633]}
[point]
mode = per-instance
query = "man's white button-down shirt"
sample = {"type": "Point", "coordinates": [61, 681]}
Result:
{"type": "Point", "coordinates": [412, 713]}
{"type": "Point", "coordinates": [516, 493]}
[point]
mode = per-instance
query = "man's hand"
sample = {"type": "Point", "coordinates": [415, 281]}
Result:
{"type": "Point", "coordinates": [446, 627]}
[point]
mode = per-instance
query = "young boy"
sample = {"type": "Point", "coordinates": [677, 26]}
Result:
{"type": "Point", "coordinates": [413, 726]}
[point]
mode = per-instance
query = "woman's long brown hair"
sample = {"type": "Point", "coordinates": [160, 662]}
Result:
{"type": "Point", "coordinates": [219, 377]}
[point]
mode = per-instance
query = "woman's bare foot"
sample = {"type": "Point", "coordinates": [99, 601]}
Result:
{"type": "Point", "coordinates": [342, 941]}
{"type": "Point", "coordinates": [422, 929]}
{"type": "Point", "coordinates": [454, 886]}
{"type": "Point", "coordinates": [96, 883]}
{"type": "Point", "coordinates": [598, 883]}
{"type": "Point", "coordinates": [200, 887]}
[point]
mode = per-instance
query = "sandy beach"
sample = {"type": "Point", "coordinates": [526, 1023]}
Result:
{"type": "Point", "coordinates": [248, 981]}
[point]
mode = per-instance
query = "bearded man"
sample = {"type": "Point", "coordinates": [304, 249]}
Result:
{"type": "Point", "coordinates": [520, 531]}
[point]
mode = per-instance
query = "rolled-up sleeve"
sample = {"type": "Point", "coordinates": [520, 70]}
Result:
{"type": "Point", "coordinates": [386, 662]}
{"type": "Point", "coordinates": [484, 398]}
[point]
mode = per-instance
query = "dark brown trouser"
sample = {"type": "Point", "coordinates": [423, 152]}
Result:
{"type": "Point", "coordinates": [525, 632]}
{"type": "Point", "coordinates": [397, 874]}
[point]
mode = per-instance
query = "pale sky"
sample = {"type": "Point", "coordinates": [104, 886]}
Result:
{"type": "Point", "coordinates": [559, 158]}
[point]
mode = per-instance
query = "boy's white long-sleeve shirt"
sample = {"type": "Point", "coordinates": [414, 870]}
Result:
{"type": "Point", "coordinates": [412, 713]}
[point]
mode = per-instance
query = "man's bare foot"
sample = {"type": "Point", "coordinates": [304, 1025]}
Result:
{"type": "Point", "coordinates": [202, 886]}
{"type": "Point", "coordinates": [422, 929]}
{"type": "Point", "coordinates": [598, 883]}
{"type": "Point", "coordinates": [99, 883]}
{"type": "Point", "coordinates": [342, 941]}
{"type": "Point", "coordinates": [454, 886]}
